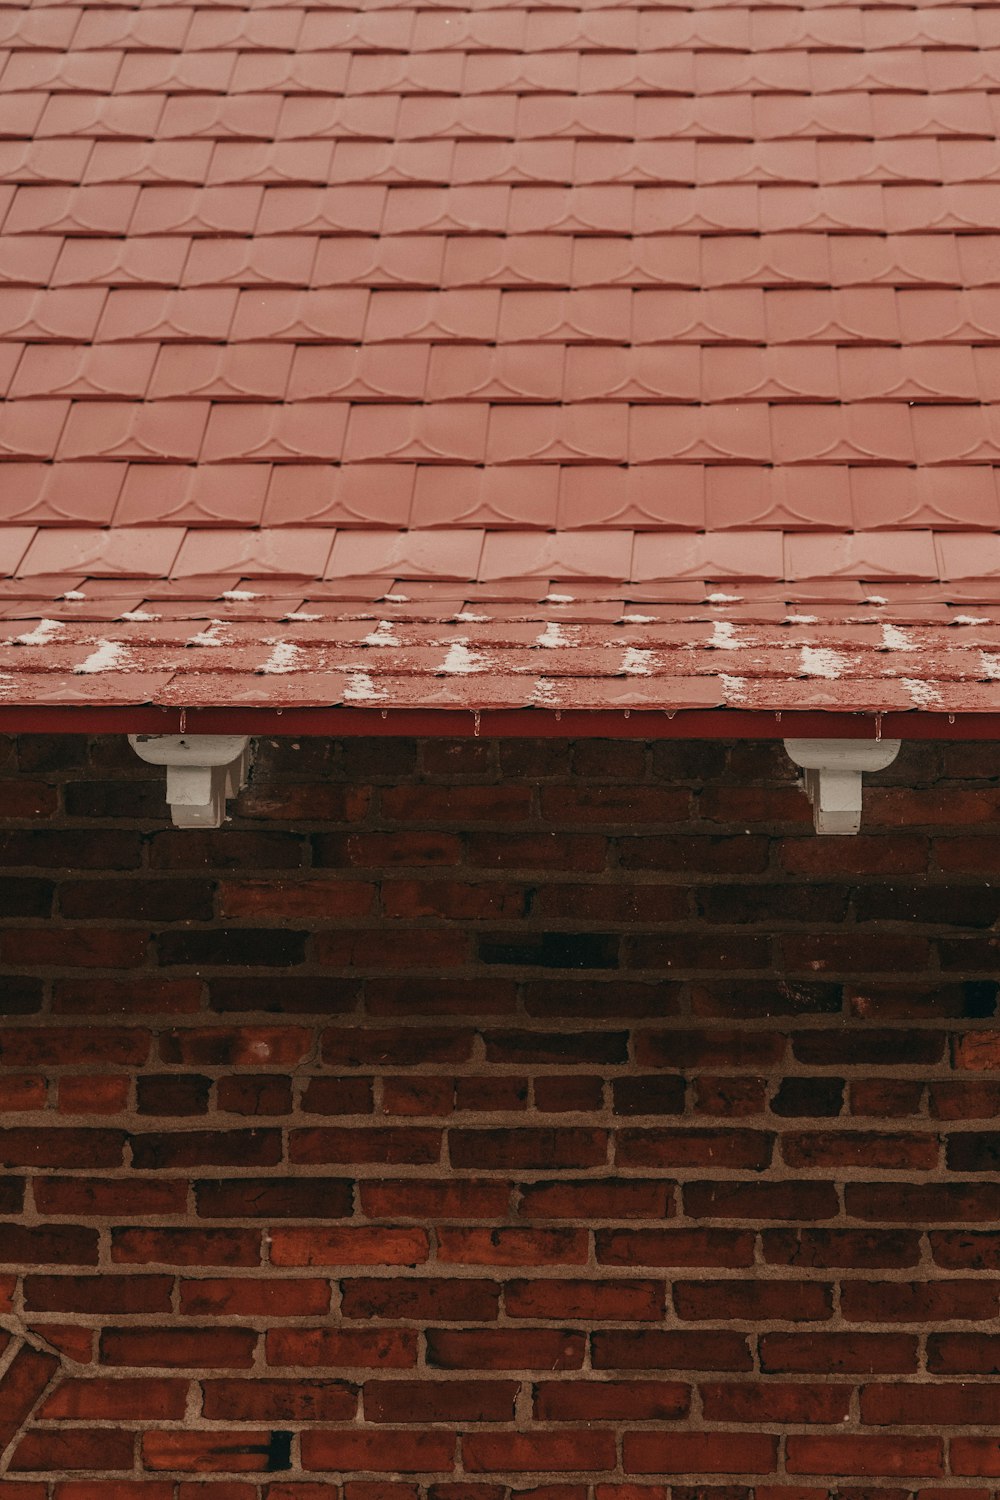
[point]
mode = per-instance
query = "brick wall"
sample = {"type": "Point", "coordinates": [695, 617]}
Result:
{"type": "Point", "coordinates": [472, 1117]}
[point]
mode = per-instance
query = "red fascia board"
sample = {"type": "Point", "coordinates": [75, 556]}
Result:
{"type": "Point", "coordinates": [528, 723]}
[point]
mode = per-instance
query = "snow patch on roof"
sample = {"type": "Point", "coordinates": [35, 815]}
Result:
{"type": "Point", "coordinates": [361, 689]}
{"type": "Point", "coordinates": [207, 636]}
{"type": "Point", "coordinates": [42, 634]}
{"type": "Point", "coordinates": [239, 596]}
{"type": "Point", "coordinates": [923, 695]}
{"type": "Point", "coordinates": [724, 637]}
{"type": "Point", "coordinates": [382, 635]}
{"type": "Point", "coordinates": [636, 663]}
{"type": "Point", "coordinates": [734, 688]}
{"type": "Point", "coordinates": [820, 662]}
{"type": "Point", "coordinates": [553, 635]}
{"type": "Point", "coordinates": [894, 639]}
{"type": "Point", "coordinates": [139, 616]}
{"type": "Point", "coordinates": [110, 656]}
{"type": "Point", "coordinates": [285, 657]}
{"type": "Point", "coordinates": [463, 661]}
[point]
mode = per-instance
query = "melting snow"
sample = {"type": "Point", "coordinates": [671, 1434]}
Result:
{"type": "Point", "coordinates": [239, 596]}
{"type": "Point", "coordinates": [875, 599]}
{"type": "Point", "coordinates": [139, 615]}
{"type": "Point", "coordinates": [970, 620]}
{"type": "Point", "coordinates": [638, 619]}
{"type": "Point", "coordinates": [724, 636]}
{"type": "Point", "coordinates": [553, 635]}
{"type": "Point", "coordinates": [802, 619]}
{"type": "Point", "coordinates": [361, 689]}
{"type": "Point", "coordinates": [894, 639]}
{"type": "Point", "coordinates": [635, 663]}
{"type": "Point", "coordinates": [298, 616]}
{"type": "Point", "coordinates": [396, 598]}
{"type": "Point", "coordinates": [923, 695]}
{"type": "Point", "coordinates": [990, 665]}
{"type": "Point", "coordinates": [544, 693]}
{"type": "Point", "coordinates": [41, 635]}
{"type": "Point", "coordinates": [110, 656]}
{"type": "Point", "coordinates": [382, 635]}
{"type": "Point", "coordinates": [735, 688]}
{"type": "Point", "coordinates": [470, 619]}
{"type": "Point", "coordinates": [461, 660]}
{"type": "Point", "coordinates": [73, 594]}
{"type": "Point", "coordinates": [725, 598]}
{"type": "Point", "coordinates": [558, 599]}
{"type": "Point", "coordinates": [821, 663]}
{"type": "Point", "coordinates": [284, 658]}
{"type": "Point", "coordinates": [207, 636]}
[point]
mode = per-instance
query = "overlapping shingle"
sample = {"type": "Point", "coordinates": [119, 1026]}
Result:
{"type": "Point", "coordinates": [635, 310]}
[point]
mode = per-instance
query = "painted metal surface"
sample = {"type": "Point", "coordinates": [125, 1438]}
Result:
{"type": "Point", "coordinates": [488, 358]}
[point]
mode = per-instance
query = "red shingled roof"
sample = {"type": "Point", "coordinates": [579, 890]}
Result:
{"type": "Point", "coordinates": [567, 357]}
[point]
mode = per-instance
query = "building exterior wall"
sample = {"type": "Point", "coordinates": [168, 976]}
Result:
{"type": "Point", "coordinates": [473, 1117]}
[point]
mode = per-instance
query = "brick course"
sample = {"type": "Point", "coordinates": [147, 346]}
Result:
{"type": "Point", "coordinates": [474, 1118]}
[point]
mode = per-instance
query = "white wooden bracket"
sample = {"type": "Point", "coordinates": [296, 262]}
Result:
{"type": "Point", "coordinates": [833, 777]}
{"type": "Point", "coordinates": [202, 771]}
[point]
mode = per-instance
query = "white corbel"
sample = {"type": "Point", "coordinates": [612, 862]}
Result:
{"type": "Point", "coordinates": [202, 771]}
{"type": "Point", "coordinates": [833, 771]}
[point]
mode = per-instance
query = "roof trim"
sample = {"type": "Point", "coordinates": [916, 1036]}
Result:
{"type": "Point", "coordinates": [501, 723]}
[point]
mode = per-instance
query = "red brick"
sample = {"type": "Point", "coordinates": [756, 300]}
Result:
{"type": "Point", "coordinates": [881, 1046]}
{"type": "Point", "coordinates": [462, 1299]}
{"type": "Point", "coordinates": [709, 1049]}
{"type": "Point", "coordinates": [838, 1353]}
{"type": "Point", "coordinates": [978, 1051]}
{"type": "Point", "coordinates": [699, 1453]}
{"type": "Point", "coordinates": [27, 799]}
{"type": "Point", "coordinates": [457, 804]}
{"type": "Point", "coordinates": [918, 1302]}
{"type": "Point", "coordinates": [902, 854]}
{"type": "Point", "coordinates": [933, 1404]}
{"type": "Point", "coordinates": [93, 1095]}
{"type": "Point", "coordinates": [967, 1099]}
{"type": "Point", "coordinates": [867, 1249]}
{"type": "Point", "coordinates": [92, 1197]}
{"type": "Point", "coordinates": [49, 1244]}
{"type": "Point", "coordinates": [963, 1354]}
{"type": "Point", "coordinates": [574, 1093]}
{"type": "Point", "coordinates": [418, 1096]}
{"type": "Point", "coordinates": [800, 1200]}
{"type": "Point", "coordinates": [61, 1147]}
{"type": "Point", "coordinates": [603, 1198]}
{"type": "Point", "coordinates": [179, 1348]}
{"type": "Point", "coordinates": [552, 1452]}
{"type": "Point", "coordinates": [730, 1097]}
{"type": "Point", "coordinates": [123, 1489]}
{"type": "Point", "coordinates": [402, 1046]}
{"type": "Point", "coordinates": [259, 1094]}
{"type": "Point", "coordinates": [614, 806]}
{"type": "Point", "coordinates": [52, 1451]}
{"type": "Point", "coordinates": [440, 1400]}
{"type": "Point", "coordinates": [452, 900]}
{"type": "Point", "coordinates": [649, 1349]}
{"type": "Point", "coordinates": [456, 1198]}
{"type": "Point", "coordinates": [391, 1147]}
{"type": "Point", "coordinates": [611, 1401]}
{"type": "Point", "coordinates": [54, 1046]}
{"type": "Point", "coordinates": [146, 996]}
{"type": "Point", "coordinates": [98, 1294]}
{"type": "Point", "coordinates": [278, 1401]}
{"type": "Point", "coordinates": [922, 1203]}
{"type": "Point", "coordinates": [535, 1150]}
{"type": "Point", "coordinates": [513, 1247]}
{"type": "Point", "coordinates": [134, 1399]}
{"type": "Point", "coordinates": [24, 1093]}
{"type": "Point", "coordinates": [774, 1402]}
{"type": "Point", "coordinates": [556, 999]}
{"type": "Point", "coordinates": [418, 996]}
{"type": "Point", "coordinates": [675, 1247]}
{"type": "Point", "coordinates": [275, 1198]}
{"type": "Point", "coordinates": [741, 1150]}
{"type": "Point", "coordinates": [966, 1250]}
{"type": "Point", "coordinates": [250, 1297]}
{"type": "Point", "coordinates": [161, 1149]}
{"type": "Point", "coordinates": [334, 1348]}
{"type": "Point", "coordinates": [903, 807]}
{"type": "Point", "coordinates": [74, 948]}
{"type": "Point", "coordinates": [619, 1301]}
{"type": "Point", "coordinates": [850, 953]}
{"type": "Point", "coordinates": [537, 851]}
{"type": "Point", "coordinates": [891, 1098]}
{"type": "Point", "coordinates": [329, 899]}
{"type": "Point", "coordinates": [899, 1152]}
{"type": "Point", "coordinates": [22, 1383]}
{"type": "Point", "coordinates": [338, 1096]}
{"type": "Point", "coordinates": [348, 1247]}
{"type": "Point", "coordinates": [505, 1349]}
{"type": "Point", "coordinates": [375, 850]}
{"type": "Point", "coordinates": [237, 1046]}
{"type": "Point", "coordinates": [238, 1452]}
{"type": "Point", "coordinates": [400, 1451]}
{"type": "Point", "coordinates": [979, 1456]}
{"type": "Point", "coordinates": [841, 1453]}
{"type": "Point", "coordinates": [744, 1300]}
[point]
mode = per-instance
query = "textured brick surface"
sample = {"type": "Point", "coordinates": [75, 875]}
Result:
{"type": "Point", "coordinates": [679, 1181]}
